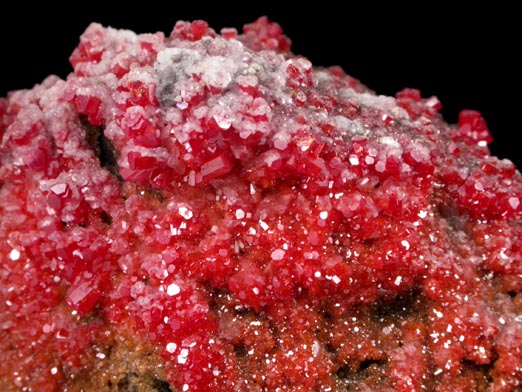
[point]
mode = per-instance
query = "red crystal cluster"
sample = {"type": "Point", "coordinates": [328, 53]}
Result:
{"type": "Point", "coordinates": [259, 224]}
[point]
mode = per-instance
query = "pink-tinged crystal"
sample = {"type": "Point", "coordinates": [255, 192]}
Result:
{"type": "Point", "coordinates": [247, 222]}
{"type": "Point", "coordinates": [473, 127]}
{"type": "Point", "coordinates": [216, 168]}
{"type": "Point", "coordinates": [139, 162]}
{"type": "Point", "coordinates": [83, 295]}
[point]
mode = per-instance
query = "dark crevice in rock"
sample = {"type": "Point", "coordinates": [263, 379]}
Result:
{"type": "Point", "coordinates": [218, 299]}
{"type": "Point", "coordinates": [481, 375]}
{"type": "Point", "coordinates": [133, 382]}
{"type": "Point", "coordinates": [106, 218]}
{"type": "Point", "coordinates": [240, 350]}
{"type": "Point", "coordinates": [102, 147]}
{"type": "Point", "coordinates": [109, 156]}
{"type": "Point", "coordinates": [330, 348]}
{"type": "Point", "coordinates": [161, 386]}
{"type": "Point", "coordinates": [369, 368]}
{"type": "Point", "coordinates": [126, 384]}
{"type": "Point", "coordinates": [456, 220]}
{"type": "Point", "coordinates": [411, 304]}
{"type": "Point", "coordinates": [92, 134]}
{"type": "Point", "coordinates": [368, 363]}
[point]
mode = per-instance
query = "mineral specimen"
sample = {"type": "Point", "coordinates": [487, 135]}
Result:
{"type": "Point", "coordinates": [205, 212]}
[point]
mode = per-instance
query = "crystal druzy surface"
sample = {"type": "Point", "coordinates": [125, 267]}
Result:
{"type": "Point", "coordinates": [209, 212]}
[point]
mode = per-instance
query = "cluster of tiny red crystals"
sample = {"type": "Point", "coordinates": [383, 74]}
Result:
{"type": "Point", "coordinates": [265, 225]}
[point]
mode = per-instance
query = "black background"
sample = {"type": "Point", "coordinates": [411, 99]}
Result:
{"type": "Point", "coordinates": [468, 58]}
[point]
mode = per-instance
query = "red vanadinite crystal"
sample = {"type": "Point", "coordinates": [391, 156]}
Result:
{"type": "Point", "coordinates": [259, 224]}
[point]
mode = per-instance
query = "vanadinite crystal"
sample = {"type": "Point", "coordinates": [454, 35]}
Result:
{"type": "Point", "coordinates": [205, 212]}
